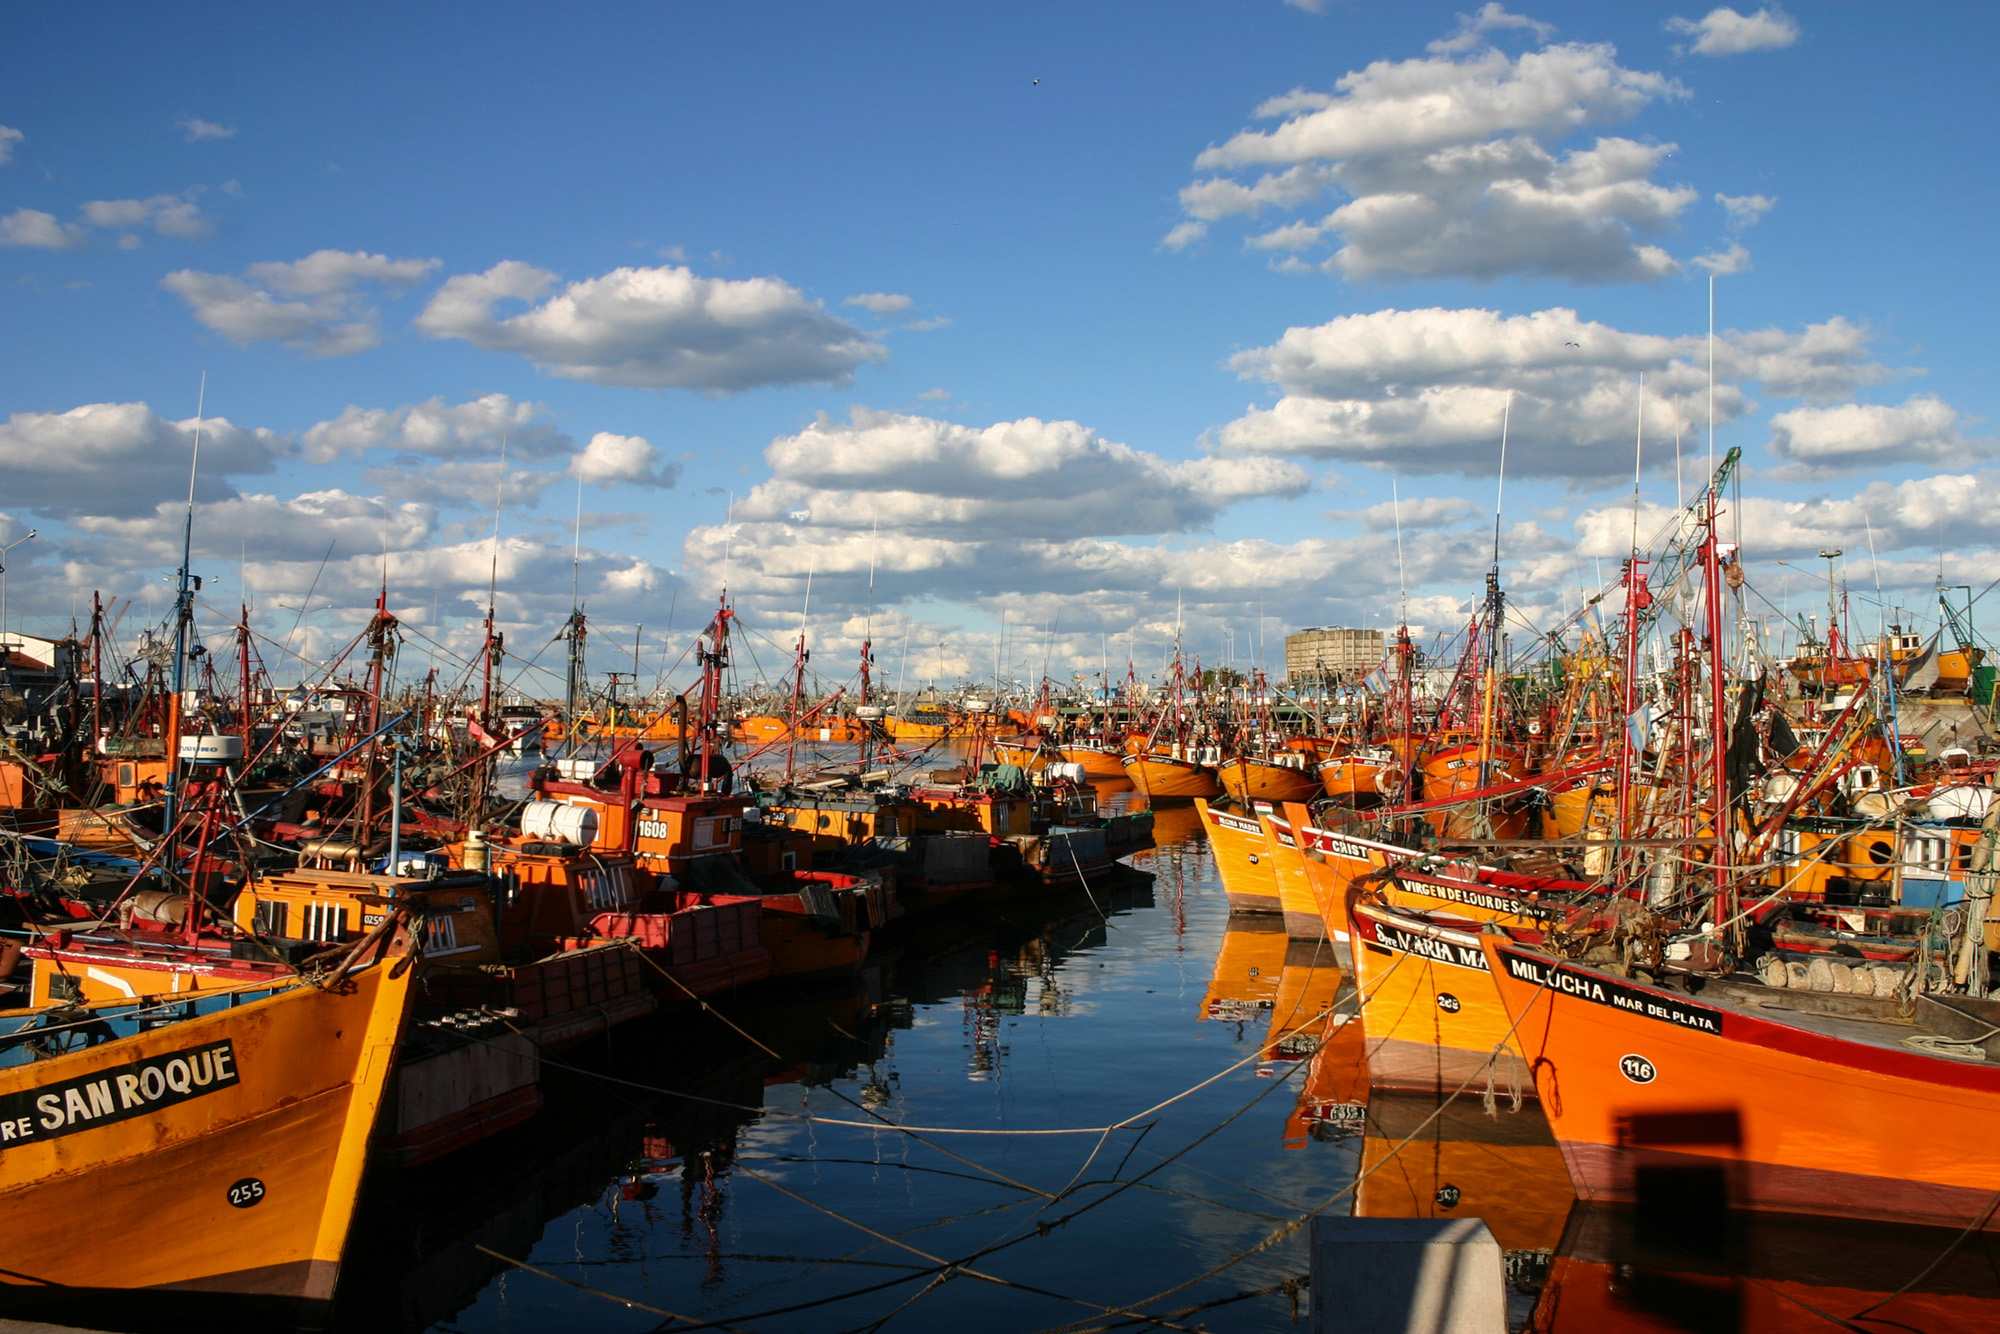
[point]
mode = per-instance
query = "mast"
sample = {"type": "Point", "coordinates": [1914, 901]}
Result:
{"type": "Point", "coordinates": [1711, 563]}
{"type": "Point", "coordinates": [381, 647]}
{"type": "Point", "coordinates": [243, 671]}
{"type": "Point", "coordinates": [96, 672]}
{"type": "Point", "coordinates": [183, 615]}
{"type": "Point", "coordinates": [575, 681]}
{"type": "Point", "coordinates": [800, 657]}
{"type": "Point", "coordinates": [714, 660]}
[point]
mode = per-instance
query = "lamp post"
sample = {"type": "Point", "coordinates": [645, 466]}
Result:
{"type": "Point", "coordinates": [3, 589]}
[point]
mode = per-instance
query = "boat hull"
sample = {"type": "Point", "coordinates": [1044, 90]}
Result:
{"type": "Point", "coordinates": [1429, 1009]}
{"type": "Point", "coordinates": [1288, 868]}
{"type": "Point", "coordinates": [1163, 777]}
{"type": "Point", "coordinates": [1242, 861]}
{"type": "Point", "coordinates": [1096, 762]}
{"type": "Point", "coordinates": [289, 1135]}
{"type": "Point", "coordinates": [1639, 1080]}
{"type": "Point", "coordinates": [1258, 780]}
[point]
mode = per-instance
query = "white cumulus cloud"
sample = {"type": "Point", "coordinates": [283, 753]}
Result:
{"type": "Point", "coordinates": [1725, 32]}
{"type": "Point", "coordinates": [1028, 477]}
{"type": "Point", "coordinates": [1921, 429]}
{"type": "Point", "coordinates": [631, 459]}
{"type": "Point", "coordinates": [653, 328]}
{"type": "Point", "coordinates": [433, 428]}
{"type": "Point", "coordinates": [1423, 391]}
{"type": "Point", "coordinates": [1451, 165]}
{"type": "Point", "coordinates": [320, 304]}
{"type": "Point", "coordinates": [9, 136]}
{"type": "Point", "coordinates": [121, 458]}
{"type": "Point", "coordinates": [168, 215]}
{"type": "Point", "coordinates": [38, 230]}
{"type": "Point", "coordinates": [1745, 209]}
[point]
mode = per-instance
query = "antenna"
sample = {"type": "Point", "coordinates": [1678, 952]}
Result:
{"type": "Point", "coordinates": [1402, 576]}
{"type": "Point", "coordinates": [1875, 568]}
{"type": "Point", "coordinates": [1680, 498]}
{"type": "Point", "coordinates": [1638, 466]}
{"type": "Point", "coordinates": [868, 621]}
{"type": "Point", "coordinates": [194, 465]}
{"type": "Point", "coordinates": [493, 566]}
{"type": "Point", "coordinates": [1711, 374]}
{"type": "Point", "coordinates": [183, 613]}
{"type": "Point", "coordinates": [1506, 409]}
{"type": "Point", "coordinates": [728, 535]}
{"type": "Point", "coordinates": [576, 551]}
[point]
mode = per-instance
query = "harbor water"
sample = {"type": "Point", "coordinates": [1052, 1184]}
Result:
{"type": "Point", "coordinates": [1039, 1113]}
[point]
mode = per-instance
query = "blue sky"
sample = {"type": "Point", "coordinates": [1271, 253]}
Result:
{"type": "Point", "coordinates": [630, 240]}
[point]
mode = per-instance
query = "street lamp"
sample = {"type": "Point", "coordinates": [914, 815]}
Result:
{"type": "Point", "coordinates": [3, 589]}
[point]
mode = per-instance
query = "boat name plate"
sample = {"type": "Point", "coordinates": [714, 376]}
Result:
{"type": "Point", "coordinates": [1603, 991]}
{"type": "Point", "coordinates": [1439, 951]}
{"type": "Point", "coordinates": [117, 1093]}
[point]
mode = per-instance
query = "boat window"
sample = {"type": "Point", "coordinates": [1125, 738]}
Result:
{"type": "Point", "coordinates": [440, 935]}
{"type": "Point", "coordinates": [273, 916]}
{"type": "Point", "coordinates": [1879, 851]}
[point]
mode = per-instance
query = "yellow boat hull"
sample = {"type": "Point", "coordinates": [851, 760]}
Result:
{"type": "Point", "coordinates": [1242, 861]}
{"type": "Point", "coordinates": [1162, 776]}
{"type": "Point", "coordinates": [1260, 780]}
{"type": "Point", "coordinates": [220, 1154]}
{"type": "Point", "coordinates": [1096, 763]}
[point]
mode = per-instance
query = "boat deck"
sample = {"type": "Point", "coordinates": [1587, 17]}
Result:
{"type": "Point", "coordinates": [1874, 1021]}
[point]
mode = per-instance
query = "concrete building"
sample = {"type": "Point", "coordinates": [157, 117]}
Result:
{"type": "Point", "coordinates": [1322, 649]}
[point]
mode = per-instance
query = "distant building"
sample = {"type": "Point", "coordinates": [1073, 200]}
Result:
{"type": "Point", "coordinates": [1319, 650]}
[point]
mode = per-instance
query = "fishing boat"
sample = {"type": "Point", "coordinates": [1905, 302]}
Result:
{"type": "Point", "coordinates": [1427, 1006]}
{"type": "Point", "coordinates": [1098, 758]}
{"type": "Point", "coordinates": [1242, 859]}
{"type": "Point", "coordinates": [1791, 1101]}
{"type": "Point", "coordinates": [235, 1123]}
{"type": "Point", "coordinates": [1303, 920]}
{"type": "Point", "coordinates": [1277, 778]}
{"type": "Point", "coordinates": [1172, 776]}
{"type": "Point", "coordinates": [1357, 776]}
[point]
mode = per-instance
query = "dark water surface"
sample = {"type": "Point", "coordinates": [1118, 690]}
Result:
{"type": "Point", "coordinates": [731, 1169]}
{"type": "Point", "coordinates": [1024, 1015]}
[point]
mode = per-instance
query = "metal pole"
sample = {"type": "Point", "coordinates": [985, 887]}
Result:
{"type": "Point", "coordinates": [395, 806]}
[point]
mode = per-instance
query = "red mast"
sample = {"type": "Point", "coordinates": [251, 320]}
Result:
{"type": "Point", "coordinates": [713, 662]}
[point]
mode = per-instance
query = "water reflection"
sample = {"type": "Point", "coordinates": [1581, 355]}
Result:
{"type": "Point", "coordinates": [741, 1166]}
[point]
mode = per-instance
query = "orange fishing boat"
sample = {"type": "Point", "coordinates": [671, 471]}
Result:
{"type": "Point", "coordinates": [1242, 860]}
{"type": "Point", "coordinates": [1164, 776]}
{"type": "Point", "coordinates": [1358, 776]}
{"type": "Point", "coordinates": [1288, 778]}
{"type": "Point", "coordinates": [1790, 1101]}
{"type": "Point", "coordinates": [1288, 866]}
{"type": "Point", "coordinates": [836, 729]}
{"type": "Point", "coordinates": [1100, 759]}
{"type": "Point", "coordinates": [237, 1125]}
{"type": "Point", "coordinates": [1468, 767]}
{"type": "Point", "coordinates": [1427, 1006]}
